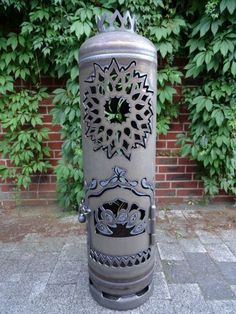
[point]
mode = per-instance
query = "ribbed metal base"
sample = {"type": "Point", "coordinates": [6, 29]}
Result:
{"type": "Point", "coordinates": [127, 302]}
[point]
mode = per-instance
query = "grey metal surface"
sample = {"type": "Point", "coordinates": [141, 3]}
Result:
{"type": "Point", "coordinates": [118, 110]}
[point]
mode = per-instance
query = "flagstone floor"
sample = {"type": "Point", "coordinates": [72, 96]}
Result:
{"type": "Point", "coordinates": [43, 263]}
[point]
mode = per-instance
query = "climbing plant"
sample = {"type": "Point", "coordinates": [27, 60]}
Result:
{"type": "Point", "coordinates": [39, 38]}
{"type": "Point", "coordinates": [22, 143]}
{"type": "Point", "coordinates": [211, 140]}
{"type": "Point", "coordinates": [45, 41]}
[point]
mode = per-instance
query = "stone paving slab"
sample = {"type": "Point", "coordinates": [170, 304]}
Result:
{"type": "Point", "coordinates": [192, 245]}
{"type": "Point", "coordinates": [188, 299]}
{"type": "Point", "coordinates": [229, 271]}
{"type": "Point", "coordinates": [177, 272]}
{"type": "Point", "coordinates": [43, 262]}
{"type": "Point", "coordinates": [233, 287]}
{"type": "Point", "coordinates": [224, 306]}
{"type": "Point", "coordinates": [228, 235]}
{"type": "Point", "coordinates": [207, 237]}
{"type": "Point", "coordinates": [214, 286]}
{"type": "Point", "coordinates": [220, 253]}
{"type": "Point", "coordinates": [170, 251]}
{"type": "Point", "coordinates": [195, 270]}
{"type": "Point", "coordinates": [200, 263]}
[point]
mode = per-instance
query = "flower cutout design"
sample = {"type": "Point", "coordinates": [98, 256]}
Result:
{"type": "Point", "coordinates": [118, 108]}
{"type": "Point", "coordinates": [119, 219]}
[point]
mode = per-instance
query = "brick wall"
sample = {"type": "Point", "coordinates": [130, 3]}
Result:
{"type": "Point", "coordinates": [175, 176]}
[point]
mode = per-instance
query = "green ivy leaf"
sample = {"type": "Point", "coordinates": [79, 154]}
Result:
{"type": "Point", "coordinates": [233, 68]}
{"type": "Point", "coordinates": [219, 116]}
{"type": "Point", "coordinates": [12, 40]}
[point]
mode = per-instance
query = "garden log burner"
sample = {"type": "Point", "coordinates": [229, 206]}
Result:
{"type": "Point", "coordinates": [118, 111]}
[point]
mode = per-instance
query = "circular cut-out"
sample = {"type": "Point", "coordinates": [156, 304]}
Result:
{"type": "Point", "coordinates": [117, 97]}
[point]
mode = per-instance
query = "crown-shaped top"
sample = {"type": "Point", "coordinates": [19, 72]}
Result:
{"type": "Point", "coordinates": [116, 21]}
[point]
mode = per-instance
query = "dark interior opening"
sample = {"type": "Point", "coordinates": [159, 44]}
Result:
{"type": "Point", "coordinates": [116, 109]}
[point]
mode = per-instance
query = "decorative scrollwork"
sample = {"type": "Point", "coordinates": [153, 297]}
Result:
{"type": "Point", "coordinates": [118, 109]}
{"type": "Point", "coordinates": [119, 219]}
{"type": "Point", "coordinates": [119, 179]}
{"type": "Point", "coordinates": [120, 261]}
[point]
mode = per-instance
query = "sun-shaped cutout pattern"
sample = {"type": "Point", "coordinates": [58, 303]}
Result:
{"type": "Point", "coordinates": [118, 108]}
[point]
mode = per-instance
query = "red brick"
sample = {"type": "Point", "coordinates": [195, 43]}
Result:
{"type": "Point", "coordinates": [178, 177]}
{"type": "Point", "coordinates": [18, 83]}
{"type": "Point", "coordinates": [186, 161]}
{"type": "Point", "coordinates": [54, 162]}
{"type": "Point", "coordinates": [184, 185]}
{"type": "Point", "coordinates": [167, 152]}
{"type": "Point", "coordinates": [36, 187]}
{"type": "Point", "coordinates": [186, 127]}
{"type": "Point", "coordinates": [47, 81]}
{"type": "Point", "coordinates": [160, 177]}
{"type": "Point", "coordinates": [47, 118]}
{"type": "Point", "coordinates": [222, 192]}
{"type": "Point", "coordinates": [183, 118]}
{"type": "Point", "coordinates": [54, 136]}
{"type": "Point", "coordinates": [161, 144]}
{"type": "Point", "coordinates": [40, 178]}
{"type": "Point", "coordinates": [176, 127]}
{"type": "Point", "coordinates": [162, 185]}
{"type": "Point", "coordinates": [178, 89]}
{"type": "Point", "coordinates": [176, 98]}
{"type": "Point", "coordinates": [200, 185]}
{"type": "Point", "coordinates": [163, 192]}
{"type": "Point", "coordinates": [9, 163]}
{"type": "Point", "coordinates": [172, 144]}
{"type": "Point", "coordinates": [53, 178]}
{"type": "Point", "coordinates": [188, 192]}
{"type": "Point", "coordinates": [184, 110]}
{"type": "Point", "coordinates": [59, 82]}
{"type": "Point", "coordinates": [169, 136]}
{"type": "Point", "coordinates": [42, 110]}
{"type": "Point", "coordinates": [47, 195]}
{"type": "Point", "coordinates": [171, 169]}
{"type": "Point", "coordinates": [54, 145]}
{"type": "Point", "coordinates": [175, 120]}
{"type": "Point", "coordinates": [191, 168]}
{"type": "Point", "coordinates": [4, 187]}
{"type": "Point", "coordinates": [49, 187]}
{"type": "Point", "coordinates": [47, 101]}
{"type": "Point", "coordinates": [166, 161]}
{"type": "Point", "coordinates": [54, 128]}
{"type": "Point", "coordinates": [57, 154]}
{"type": "Point", "coordinates": [196, 176]}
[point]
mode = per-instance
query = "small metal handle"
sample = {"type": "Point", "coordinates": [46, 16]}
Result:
{"type": "Point", "coordinates": [83, 211]}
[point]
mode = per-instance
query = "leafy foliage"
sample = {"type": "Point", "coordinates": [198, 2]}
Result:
{"type": "Point", "coordinates": [211, 139]}
{"type": "Point", "coordinates": [22, 143]}
{"type": "Point", "coordinates": [44, 39]}
{"type": "Point", "coordinates": [162, 22]}
{"type": "Point", "coordinates": [47, 42]}
{"type": "Point", "coordinates": [70, 169]}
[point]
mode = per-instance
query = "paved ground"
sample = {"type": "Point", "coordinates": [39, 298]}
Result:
{"type": "Point", "coordinates": [43, 263]}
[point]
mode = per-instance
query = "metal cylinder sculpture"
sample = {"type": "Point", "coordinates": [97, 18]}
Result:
{"type": "Point", "coordinates": [118, 110]}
